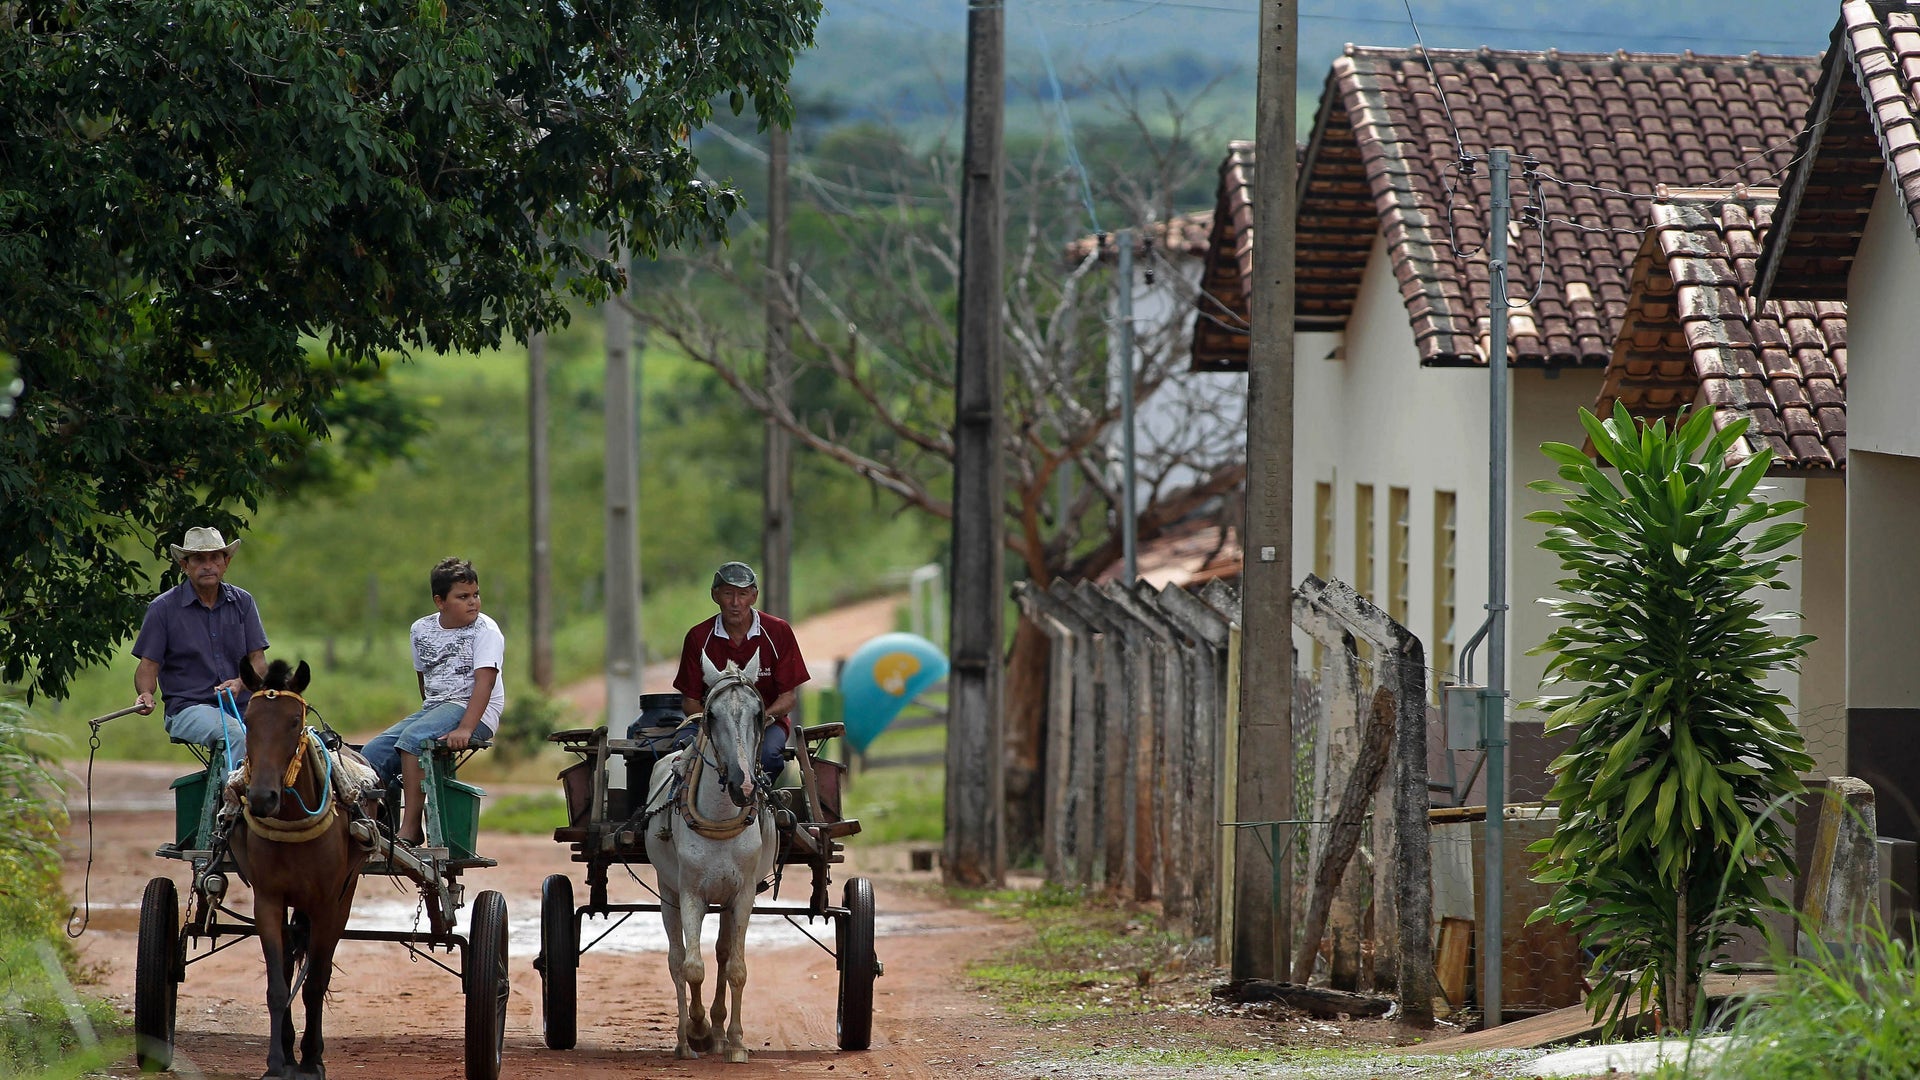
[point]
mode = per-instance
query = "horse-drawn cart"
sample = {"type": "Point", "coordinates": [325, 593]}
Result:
{"type": "Point", "coordinates": [204, 823]}
{"type": "Point", "coordinates": [606, 794]}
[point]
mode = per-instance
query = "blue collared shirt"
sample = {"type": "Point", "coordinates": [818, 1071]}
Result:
{"type": "Point", "coordinates": [198, 647]}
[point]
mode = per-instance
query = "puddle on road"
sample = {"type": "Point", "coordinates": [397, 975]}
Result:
{"type": "Point", "coordinates": [640, 933]}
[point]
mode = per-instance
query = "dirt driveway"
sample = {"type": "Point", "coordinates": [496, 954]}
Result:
{"type": "Point", "coordinates": [393, 1016]}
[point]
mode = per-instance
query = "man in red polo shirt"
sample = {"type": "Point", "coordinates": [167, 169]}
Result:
{"type": "Point", "coordinates": [740, 634]}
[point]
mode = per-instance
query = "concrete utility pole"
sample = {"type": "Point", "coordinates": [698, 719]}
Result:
{"type": "Point", "coordinates": [624, 655]}
{"type": "Point", "coordinates": [1263, 921]}
{"type": "Point", "coordinates": [976, 776]}
{"type": "Point", "coordinates": [1494, 697]}
{"type": "Point", "coordinates": [1129, 510]}
{"type": "Point", "coordinates": [776, 537]}
{"type": "Point", "coordinates": [540, 515]}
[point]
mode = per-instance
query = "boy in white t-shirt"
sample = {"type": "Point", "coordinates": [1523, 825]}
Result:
{"type": "Point", "coordinates": [456, 656]}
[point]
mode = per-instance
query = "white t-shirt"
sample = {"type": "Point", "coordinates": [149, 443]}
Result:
{"type": "Point", "coordinates": [447, 659]}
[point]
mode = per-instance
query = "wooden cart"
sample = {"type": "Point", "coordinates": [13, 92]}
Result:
{"type": "Point", "coordinates": [605, 830]}
{"type": "Point", "coordinates": [169, 944]}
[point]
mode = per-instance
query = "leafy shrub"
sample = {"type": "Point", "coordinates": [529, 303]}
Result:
{"type": "Point", "coordinates": [1669, 795]}
{"type": "Point", "coordinates": [528, 719]}
{"type": "Point", "coordinates": [44, 1027]}
{"type": "Point", "coordinates": [1838, 1014]}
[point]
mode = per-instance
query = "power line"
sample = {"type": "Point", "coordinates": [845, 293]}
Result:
{"type": "Point", "coordinates": [809, 176]}
{"type": "Point", "coordinates": [1458, 144]}
{"type": "Point", "coordinates": [1066, 126]}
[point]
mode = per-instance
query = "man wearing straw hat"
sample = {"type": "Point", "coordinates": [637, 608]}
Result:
{"type": "Point", "coordinates": [193, 640]}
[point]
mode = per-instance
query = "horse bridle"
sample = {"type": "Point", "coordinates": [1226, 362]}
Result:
{"type": "Point", "coordinates": [727, 681]}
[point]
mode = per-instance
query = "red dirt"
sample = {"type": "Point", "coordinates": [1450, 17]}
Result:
{"type": "Point", "coordinates": [391, 1016]}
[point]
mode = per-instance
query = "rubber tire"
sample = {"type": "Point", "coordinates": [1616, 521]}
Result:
{"type": "Point", "coordinates": [486, 986]}
{"type": "Point", "coordinates": [156, 987]}
{"type": "Point", "coordinates": [854, 1018]}
{"type": "Point", "coordinates": [559, 963]}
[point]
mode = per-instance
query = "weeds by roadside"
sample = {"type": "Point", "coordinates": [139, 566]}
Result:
{"type": "Point", "coordinates": [1111, 993]}
{"type": "Point", "coordinates": [1844, 1012]}
{"type": "Point", "coordinates": [46, 1027]}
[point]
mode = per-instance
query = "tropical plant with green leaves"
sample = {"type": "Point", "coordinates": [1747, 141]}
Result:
{"type": "Point", "coordinates": [1683, 757]}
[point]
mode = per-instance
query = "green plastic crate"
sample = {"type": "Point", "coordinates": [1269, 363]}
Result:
{"type": "Point", "coordinates": [189, 802]}
{"type": "Point", "coordinates": [459, 804]}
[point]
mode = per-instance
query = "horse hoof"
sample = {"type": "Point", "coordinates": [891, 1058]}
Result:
{"type": "Point", "coordinates": [737, 1055]}
{"type": "Point", "coordinates": [686, 1053]}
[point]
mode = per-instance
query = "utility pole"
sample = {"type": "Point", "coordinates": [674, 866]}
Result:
{"type": "Point", "coordinates": [622, 521]}
{"type": "Point", "coordinates": [1129, 511]}
{"type": "Point", "coordinates": [776, 537]}
{"type": "Point", "coordinates": [1494, 698]}
{"type": "Point", "coordinates": [1262, 902]}
{"type": "Point", "coordinates": [540, 514]}
{"type": "Point", "coordinates": [976, 777]}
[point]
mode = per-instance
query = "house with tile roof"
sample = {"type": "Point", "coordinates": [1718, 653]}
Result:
{"type": "Point", "coordinates": [1187, 424]}
{"type": "Point", "coordinates": [1693, 336]}
{"type": "Point", "coordinates": [1392, 317]}
{"type": "Point", "coordinates": [1845, 229]}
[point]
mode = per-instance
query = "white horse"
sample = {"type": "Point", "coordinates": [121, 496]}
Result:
{"type": "Point", "coordinates": [712, 850]}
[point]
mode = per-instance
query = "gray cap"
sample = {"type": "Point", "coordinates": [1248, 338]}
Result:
{"type": "Point", "coordinates": [737, 574]}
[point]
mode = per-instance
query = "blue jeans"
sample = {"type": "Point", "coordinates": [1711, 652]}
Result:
{"type": "Point", "coordinates": [773, 745]}
{"type": "Point", "coordinates": [411, 736]}
{"type": "Point", "coordinates": [201, 724]}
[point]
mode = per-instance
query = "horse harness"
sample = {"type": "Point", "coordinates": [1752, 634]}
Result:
{"type": "Point", "coordinates": [687, 784]}
{"type": "Point", "coordinates": [317, 821]}
{"type": "Point", "coordinates": [726, 829]}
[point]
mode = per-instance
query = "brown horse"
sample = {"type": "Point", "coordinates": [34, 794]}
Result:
{"type": "Point", "coordinates": [295, 852]}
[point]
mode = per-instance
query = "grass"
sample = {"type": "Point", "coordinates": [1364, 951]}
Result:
{"type": "Point", "coordinates": [1844, 1012]}
{"type": "Point", "coordinates": [46, 1027]}
{"type": "Point", "coordinates": [523, 814]}
{"type": "Point", "coordinates": [1086, 956]}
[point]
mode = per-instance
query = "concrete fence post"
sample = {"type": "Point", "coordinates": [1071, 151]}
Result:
{"type": "Point", "coordinates": [1072, 788]}
{"type": "Point", "coordinates": [1843, 878]}
{"type": "Point", "coordinates": [1169, 720]}
{"type": "Point", "coordinates": [1200, 763]}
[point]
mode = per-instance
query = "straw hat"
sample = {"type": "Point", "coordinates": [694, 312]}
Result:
{"type": "Point", "coordinates": [200, 540]}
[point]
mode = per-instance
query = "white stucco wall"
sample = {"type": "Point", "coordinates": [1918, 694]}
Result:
{"type": "Point", "coordinates": [1823, 606]}
{"type": "Point", "coordinates": [1370, 414]}
{"type": "Point", "coordinates": [1883, 333]}
{"type": "Point", "coordinates": [1166, 419]}
{"type": "Point", "coordinates": [1374, 416]}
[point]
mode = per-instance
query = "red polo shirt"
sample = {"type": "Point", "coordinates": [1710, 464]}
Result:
{"type": "Point", "coordinates": [770, 639]}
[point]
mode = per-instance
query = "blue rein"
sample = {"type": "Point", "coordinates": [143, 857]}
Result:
{"type": "Point", "coordinates": [230, 710]}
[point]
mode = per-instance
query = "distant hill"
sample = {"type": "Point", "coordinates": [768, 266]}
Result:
{"type": "Point", "coordinates": [903, 62]}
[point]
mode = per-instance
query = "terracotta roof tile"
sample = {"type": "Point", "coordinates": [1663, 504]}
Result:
{"type": "Point", "coordinates": [1864, 126]}
{"type": "Point", "coordinates": [1185, 235]}
{"type": "Point", "coordinates": [1692, 334]}
{"type": "Point", "coordinates": [1382, 161]}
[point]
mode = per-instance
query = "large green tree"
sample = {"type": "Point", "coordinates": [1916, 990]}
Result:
{"type": "Point", "coordinates": [217, 214]}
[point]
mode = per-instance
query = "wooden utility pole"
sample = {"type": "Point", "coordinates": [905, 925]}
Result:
{"type": "Point", "coordinates": [540, 515]}
{"type": "Point", "coordinates": [776, 536]}
{"type": "Point", "coordinates": [622, 521]}
{"type": "Point", "coordinates": [1262, 908]}
{"type": "Point", "coordinates": [976, 776]}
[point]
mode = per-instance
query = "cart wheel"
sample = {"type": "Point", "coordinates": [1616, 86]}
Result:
{"type": "Point", "coordinates": [559, 962]}
{"type": "Point", "coordinates": [857, 967]}
{"type": "Point", "coordinates": [486, 984]}
{"type": "Point", "coordinates": [156, 990]}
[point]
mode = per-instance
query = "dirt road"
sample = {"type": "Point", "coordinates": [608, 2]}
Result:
{"type": "Point", "coordinates": [393, 1016]}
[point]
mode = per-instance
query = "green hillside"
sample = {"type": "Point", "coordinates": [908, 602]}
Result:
{"type": "Point", "coordinates": [340, 578]}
